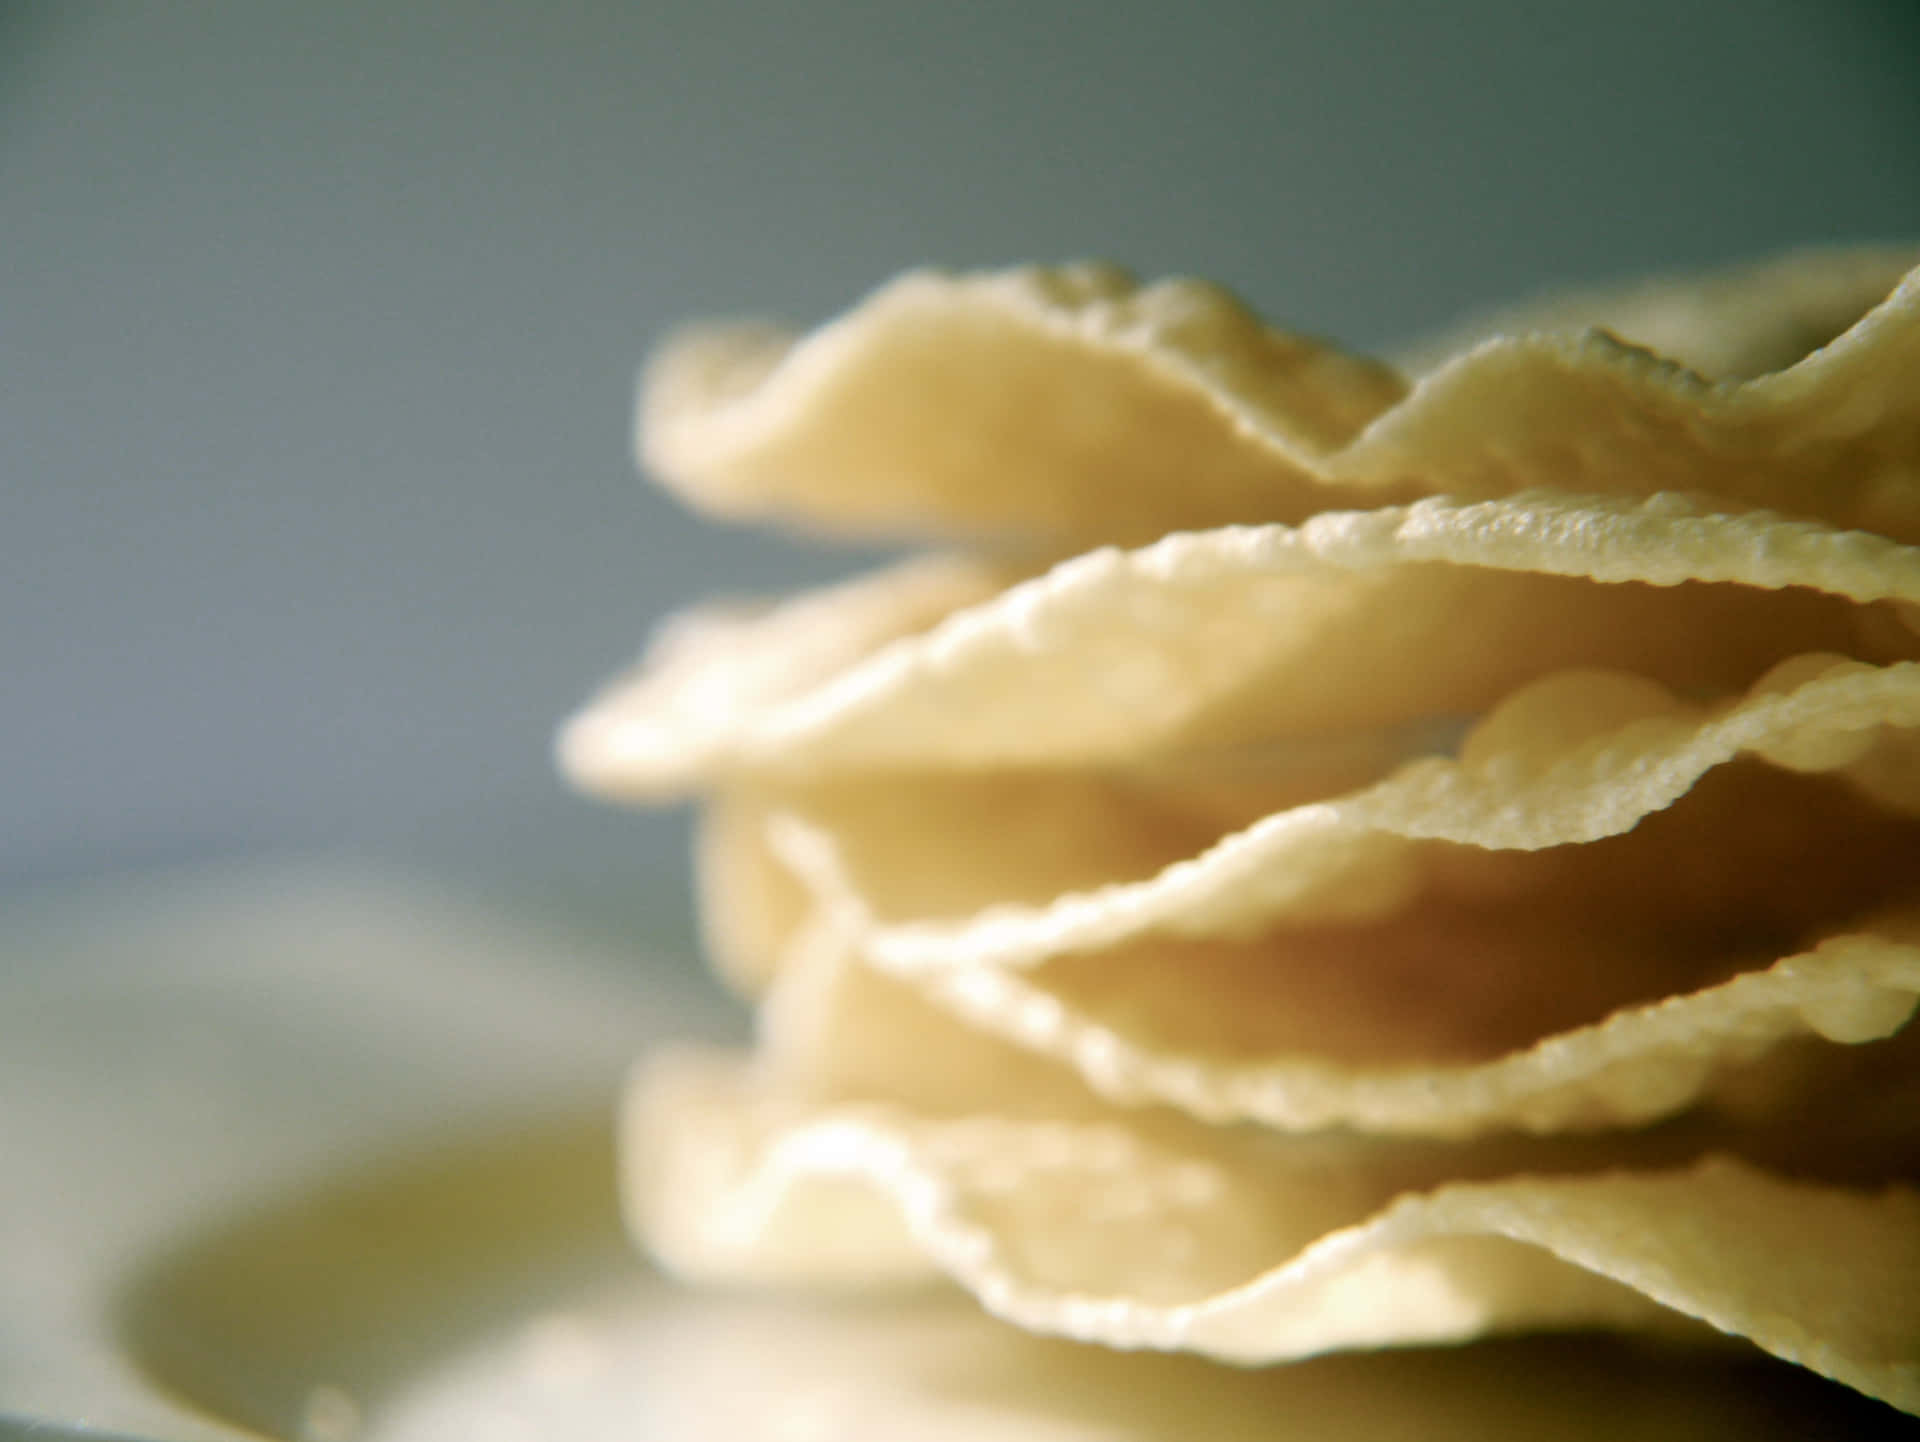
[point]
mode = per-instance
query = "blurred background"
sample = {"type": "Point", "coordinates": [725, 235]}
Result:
{"type": "Point", "coordinates": [320, 321]}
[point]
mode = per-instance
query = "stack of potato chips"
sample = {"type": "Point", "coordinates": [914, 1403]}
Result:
{"type": "Point", "coordinates": [1339, 855]}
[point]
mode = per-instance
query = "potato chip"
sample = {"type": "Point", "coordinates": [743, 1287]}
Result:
{"type": "Point", "coordinates": [1532, 777]}
{"type": "Point", "coordinates": [949, 844]}
{"type": "Point", "coordinates": [1440, 1025]}
{"type": "Point", "coordinates": [1447, 1020]}
{"type": "Point", "coordinates": [1074, 404]}
{"type": "Point", "coordinates": [1068, 402]}
{"type": "Point", "coordinates": [1353, 623]}
{"type": "Point", "coordinates": [1100, 1232]}
{"type": "Point", "coordinates": [1432, 1028]}
{"type": "Point", "coordinates": [1750, 850]}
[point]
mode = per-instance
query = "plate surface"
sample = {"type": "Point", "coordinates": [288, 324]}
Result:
{"type": "Point", "coordinates": [187, 1060]}
{"type": "Point", "coordinates": [323, 1156]}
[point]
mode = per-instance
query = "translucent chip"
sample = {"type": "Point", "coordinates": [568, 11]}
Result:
{"type": "Point", "coordinates": [1434, 1028]}
{"type": "Point", "coordinates": [1074, 404]}
{"type": "Point", "coordinates": [926, 877]}
{"type": "Point", "coordinates": [1750, 851]}
{"type": "Point", "coordinates": [1103, 1232]}
{"type": "Point", "coordinates": [1055, 403]}
{"type": "Point", "coordinates": [1353, 624]}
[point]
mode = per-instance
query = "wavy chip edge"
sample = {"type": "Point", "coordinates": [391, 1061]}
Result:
{"type": "Point", "coordinates": [1330, 424]}
{"type": "Point", "coordinates": [740, 1191]}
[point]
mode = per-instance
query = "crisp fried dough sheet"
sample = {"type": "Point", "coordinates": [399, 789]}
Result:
{"type": "Point", "coordinates": [939, 876]}
{"type": "Point", "coordinates": [1441, 1026]}
{"type": "Point", "coordinates": [1074, 404]}
{"type": "Point", "coordinates": [1101, 1231]}
{"type": "Point", "coordinates": [1750, 850]}
{"type": "Point", "coordinates": [1356, 623]}
{"type": "Point", "coordinates": [1065, 403]}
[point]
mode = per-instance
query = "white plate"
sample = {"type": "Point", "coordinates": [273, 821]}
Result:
{"type": "Point", "coordinates": [323, 1156]}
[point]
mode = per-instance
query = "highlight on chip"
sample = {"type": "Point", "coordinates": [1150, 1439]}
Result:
{"type": "Point", "coordinates": [1338, 856]}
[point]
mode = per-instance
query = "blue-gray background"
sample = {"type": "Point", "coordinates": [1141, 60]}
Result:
{"type": "Point", "coordinates": [317, 321]}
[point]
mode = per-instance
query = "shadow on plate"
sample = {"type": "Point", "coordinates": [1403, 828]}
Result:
{"type": "Point", "coordinates": [290, 1320]}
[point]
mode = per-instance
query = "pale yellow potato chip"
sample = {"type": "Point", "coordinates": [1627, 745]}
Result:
{"type": "Point", "coordinates": [1807, 1066]}
{"type": "Point", "coordinates": [1067, 402]}
{"type": "Point", "coordinates": [1257, 1253]}
{"type": "Point", "coordinates": [1353, 623]}
{"type": "Point", "coordinates": [1056, 832]}
{"type": "Point", "coordinates": [1533, 776]}
{"type": "Point", "coordinates": [1429, 1028]}
{"type": "Point", "coordinates": [1071, 403]}
{"type": "Point", "coordinates": [1422, 1030]}
{"type": "Point", "coordinates": [1751, 850]}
